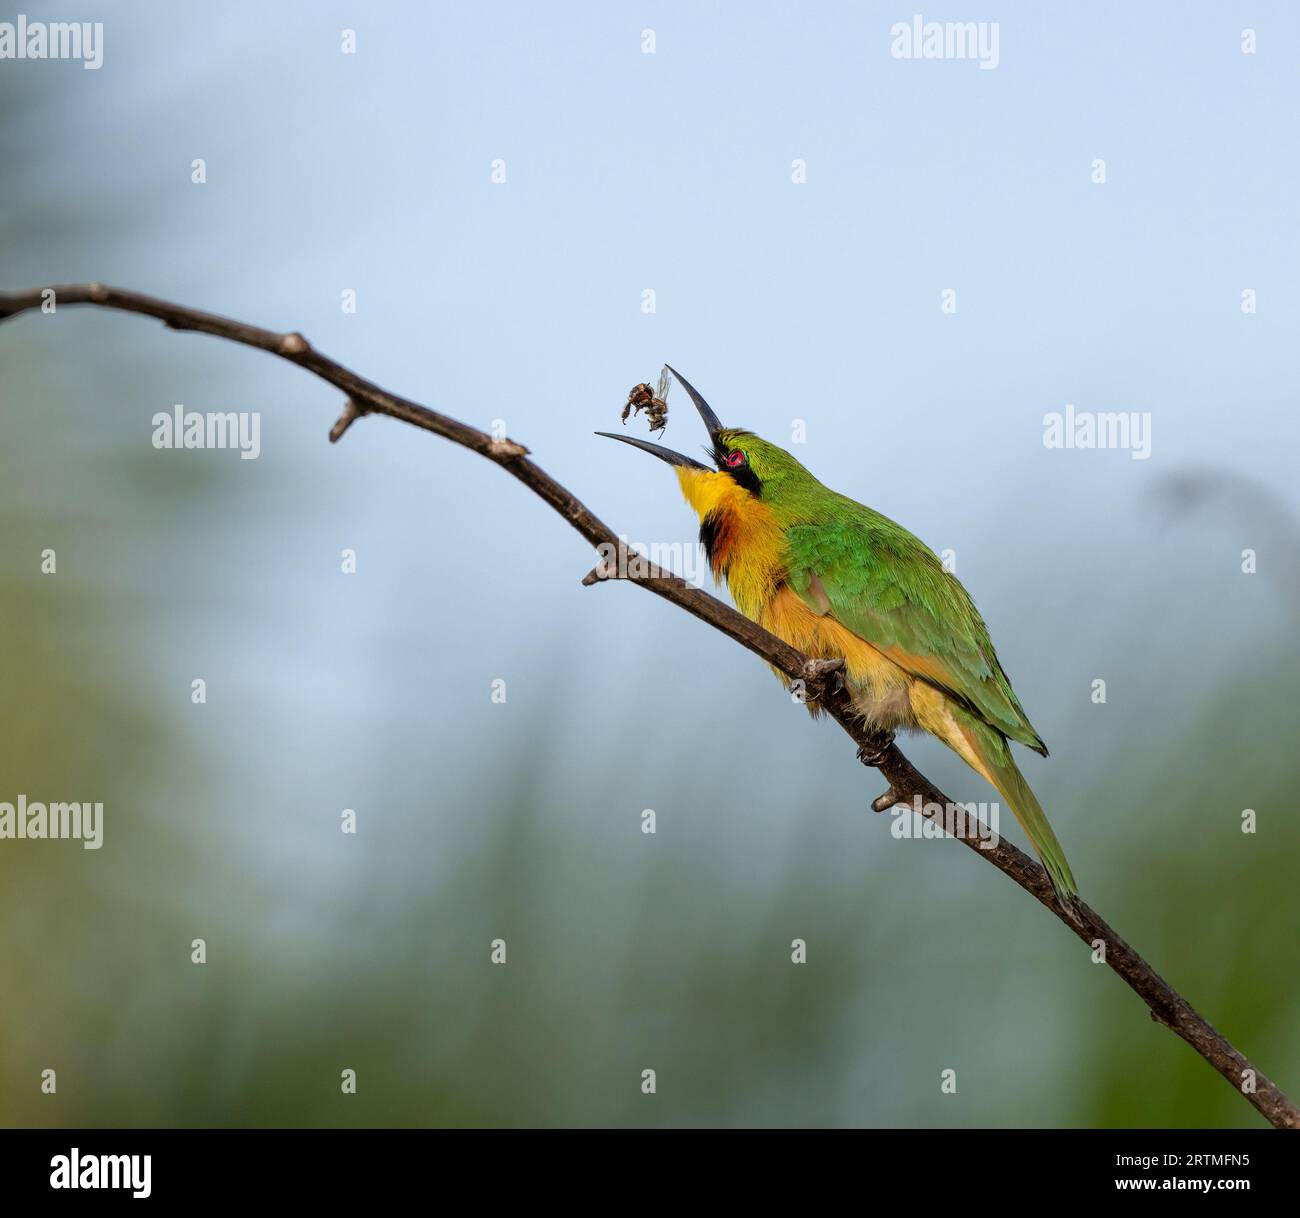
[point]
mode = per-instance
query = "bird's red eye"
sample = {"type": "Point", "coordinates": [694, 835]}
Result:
{"type": "Point", "coordinates": [735, 458]}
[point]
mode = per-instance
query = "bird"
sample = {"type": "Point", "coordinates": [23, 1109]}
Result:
{"type": "Point", "coordinates": [838, 580]}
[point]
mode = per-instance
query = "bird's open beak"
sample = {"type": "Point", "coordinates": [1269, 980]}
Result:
{"type": "Point", "coordinates": [667, 454]}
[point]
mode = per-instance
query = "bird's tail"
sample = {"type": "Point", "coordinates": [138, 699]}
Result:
{"type": "Point", "coordinates": [999, 767]}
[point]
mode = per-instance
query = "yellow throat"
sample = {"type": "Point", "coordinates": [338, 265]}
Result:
{"type": "Point", "coordinates": [740, 534]}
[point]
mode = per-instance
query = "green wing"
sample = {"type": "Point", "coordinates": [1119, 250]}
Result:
{"type": "Point", "coordinates": [874, 577]}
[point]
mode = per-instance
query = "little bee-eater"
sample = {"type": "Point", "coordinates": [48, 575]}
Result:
{"type": "Point", "coordinates": [837, 579]}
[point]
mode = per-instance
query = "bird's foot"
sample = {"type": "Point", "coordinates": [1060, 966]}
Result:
{"type": "Point", "coordinates": [872, 754]}
{"type": "Point", "coordinates": [824, 676]}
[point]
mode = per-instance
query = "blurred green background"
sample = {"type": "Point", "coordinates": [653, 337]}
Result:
{"type": "Point", "coordinates": [522, 821]}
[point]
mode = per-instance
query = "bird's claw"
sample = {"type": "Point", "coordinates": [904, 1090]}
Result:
{"type": "Point", "coordinates": [873, 755]}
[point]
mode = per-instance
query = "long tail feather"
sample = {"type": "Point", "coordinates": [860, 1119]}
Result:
{"type": "Point", "coordinates": [1001, 770]}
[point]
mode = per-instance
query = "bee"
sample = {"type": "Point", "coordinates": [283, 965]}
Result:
{"type": "Point", "coordinates": [653, 401]}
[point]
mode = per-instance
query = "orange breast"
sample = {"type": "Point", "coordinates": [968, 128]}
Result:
{"type": "Point", "coordinates": [880, 689]}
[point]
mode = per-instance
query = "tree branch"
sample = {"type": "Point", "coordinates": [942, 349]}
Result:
{"type": "Point", "coordinates": [821, 681]}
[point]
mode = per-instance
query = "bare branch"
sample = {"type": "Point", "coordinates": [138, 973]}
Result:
{"type": "Point", "coordinates": [821, 681]}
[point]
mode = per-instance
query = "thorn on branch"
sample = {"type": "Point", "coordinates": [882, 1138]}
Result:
{"type": "Point", "coordinates": [618, 565]}
{"type": "Point", "coordinates": [598, 574]}
{"type": "Point", "coordinates": [890, 799]}
{"type": "Point", "coordinates": [506, 448]}
{"type": "Point", "coordinates": [351, 413]}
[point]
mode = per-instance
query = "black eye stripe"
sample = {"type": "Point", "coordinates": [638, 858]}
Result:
{"type": "Point", "coordinates": [742, 472]}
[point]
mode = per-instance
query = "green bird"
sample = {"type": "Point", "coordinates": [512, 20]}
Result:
{"type": "Point", "coordinates": [837, 579]}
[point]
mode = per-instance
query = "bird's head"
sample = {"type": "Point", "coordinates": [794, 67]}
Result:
{"type": "Point", "coordinates": [745, 467]}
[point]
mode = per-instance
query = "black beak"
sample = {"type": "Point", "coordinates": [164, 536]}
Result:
{"type": "Point", "coordinates": [657, 450]}
{"type": "Point", "coordinates": [666, 454]}
{"type": "Point", "coordinates": [710, 419]}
